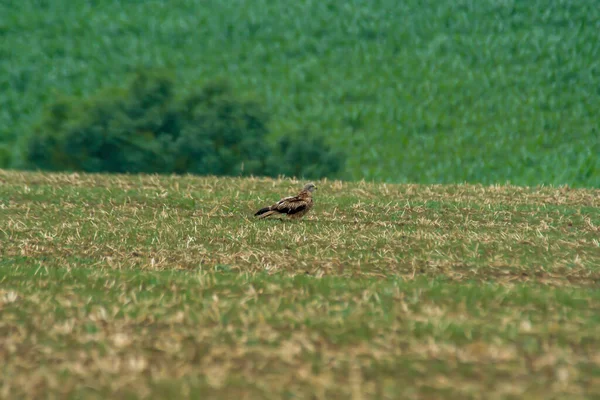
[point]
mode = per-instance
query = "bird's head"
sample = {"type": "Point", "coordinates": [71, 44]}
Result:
{"type": "Point", "coordinates": [310, 187]}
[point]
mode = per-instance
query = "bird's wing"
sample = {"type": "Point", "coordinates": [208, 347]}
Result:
{"type": "Point", "coordinates": [291, 205]}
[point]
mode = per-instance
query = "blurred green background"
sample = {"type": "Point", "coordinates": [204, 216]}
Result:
{"type": "Point", "coordinates": [441, 91]}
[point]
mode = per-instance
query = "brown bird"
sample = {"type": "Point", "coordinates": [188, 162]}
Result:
{"type": "Point", "coordinates": [293, 206]}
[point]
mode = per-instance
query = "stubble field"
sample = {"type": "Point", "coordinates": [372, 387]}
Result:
{"type": "Point", "coordinates": [156, 287]}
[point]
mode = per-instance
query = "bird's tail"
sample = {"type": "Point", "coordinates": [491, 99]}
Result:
{"type": "Point", "coordinates": [264, 212]}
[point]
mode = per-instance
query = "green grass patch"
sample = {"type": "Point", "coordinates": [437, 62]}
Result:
{"type": "Point", "coordinates": [147, 286]}
{"type": "Point", "coordinates": [428, 92]}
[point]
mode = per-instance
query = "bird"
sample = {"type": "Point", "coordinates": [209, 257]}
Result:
{"type": "Point", "coordinates": [293, 206]}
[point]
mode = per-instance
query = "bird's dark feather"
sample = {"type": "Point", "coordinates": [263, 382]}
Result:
{"type": "Point", "coordinates": [291, 210]}
{"type": "Point", "coordinates": [262, 211]}
{"type": "Point", "coordinates": [295, 206]}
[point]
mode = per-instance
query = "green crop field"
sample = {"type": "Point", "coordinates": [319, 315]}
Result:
{"type": "Point", "coordinates": [166, 287]}
{"type": "Point", "coordinates": [415, 91]}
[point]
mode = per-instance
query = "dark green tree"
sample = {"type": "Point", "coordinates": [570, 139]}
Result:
{"type": "Point", "coordinates": [306, 156]}
{"type": "Point", "coordinates": [147, 129]}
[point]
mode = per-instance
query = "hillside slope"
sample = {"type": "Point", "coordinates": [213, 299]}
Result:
{"type": "Point", "coordinates": [154, 287]}
{"type": "Point", "coordinates": [417, 92]}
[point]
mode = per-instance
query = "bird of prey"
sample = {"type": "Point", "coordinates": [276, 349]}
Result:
{"type": "Point", "coordinates": [293, 206]}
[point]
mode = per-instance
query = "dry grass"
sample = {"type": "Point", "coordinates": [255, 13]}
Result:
{"type": "Point", "coordinates": [167, 287]}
